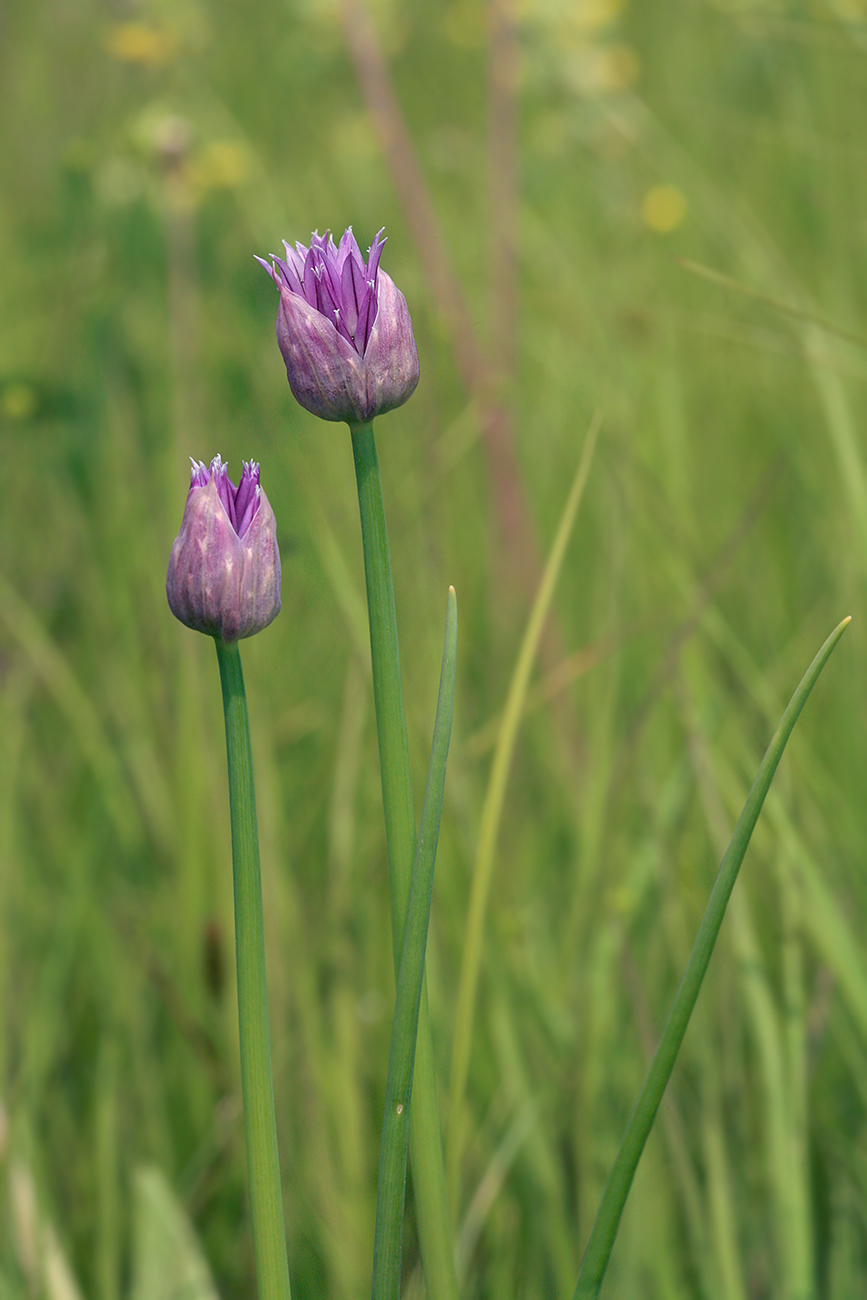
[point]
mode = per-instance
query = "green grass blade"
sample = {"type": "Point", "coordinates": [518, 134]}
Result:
{"type": "Point", "coordinates": [395, 1127]}
{"type": "Point", "coordinates": [601, 1242]}
{"type": "Point", "coordinates": [799, 313]}
{"type": "Point", "coordinates": [53, 667]}
{"type": "Point", "coordinates": [490, 824]}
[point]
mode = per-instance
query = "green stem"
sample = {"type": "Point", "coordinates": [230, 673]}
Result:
{"type": "Point", "coordinates": [395, 1127]}
{"type": "Point", "coordinates": [601, 1242]}
{"type": "Point", "coordinates": [266, 1198]}
{"type": "Point", "coordinates": [432, 1214]}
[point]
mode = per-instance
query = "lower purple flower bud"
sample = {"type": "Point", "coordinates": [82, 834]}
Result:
{"type": "Point", "coordinates": [344, 329]}
{"type": "Point", "coordinates": [224, 570]}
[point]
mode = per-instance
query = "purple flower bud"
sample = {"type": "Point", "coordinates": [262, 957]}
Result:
{"type": "Point", "coordinates": [224, 570]}
{"type": "Point", "coordinates": [344, 329]}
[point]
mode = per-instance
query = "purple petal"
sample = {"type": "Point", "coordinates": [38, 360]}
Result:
{"type": "Point", "coordinates": [324, 371]}
{"type": "Point", "coordinates": [329, 274]}
{"type": "Point", "coordinates": [348, 248]}
{"type": "Point", "coordinates": [308, 282]}
{"type": "Point", "coordinates": [289, 275]}
{"type": "Point", "coordinates": [369, 301]}
{"type": "Point", "coordinates": [329, 304]}
{"type": "Point", "coordinates": [225, 487]}
{"type": "Point", "coordinates": [295, 259]}
{"type": "Point", "coordinates": [199, 474]}
{"type": "Point", "coordinates": [353, 284]}
{"type": "Point", "coordinates": [270, 269]}
{"type": "Point", "coordinates": [373, 256]}
{"type": "Point", "coordinates": [366, 318]}
{"type": "Point", "coordinates": [247, 496]}
{"type": "Point", "coordinates": [391, 359]}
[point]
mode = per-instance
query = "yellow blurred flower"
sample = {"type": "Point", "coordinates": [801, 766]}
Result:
{"type": "Point", "coordinates": [569, 16]}
{"type": "Point", "coordinates": [848, 11]}
{"type": "Point", "coordinates": [150, 47]}
{"type": "Point", "coordinates": [616, 67]}
{"type": "Point", "coordinates": [222, 165]}
{"type": "Point", "coordinates": [664, 208]}
{"type": "Point", "coordinates": [600, 70]}
{"type": "Point", "coordinates": [466, 24]}
{"type": "Point", "coordinates": [591, 15]}
{"type": "Point", "coordinates": [18, 402]}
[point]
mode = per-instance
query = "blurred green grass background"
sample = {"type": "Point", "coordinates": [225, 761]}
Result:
{"type": "Point", "coordinates": [542, 172]}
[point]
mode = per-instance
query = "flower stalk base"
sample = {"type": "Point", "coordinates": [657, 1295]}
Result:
{"type": "Point", "coordinates": [266, 1197]}
{"type": "Point", "coordinates": [432, 1213]}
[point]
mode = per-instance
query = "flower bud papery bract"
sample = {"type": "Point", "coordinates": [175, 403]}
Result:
{"type": "Point", "coordinates": [344, 329]}
{"type": "Point", "coordinates": [224, 570]}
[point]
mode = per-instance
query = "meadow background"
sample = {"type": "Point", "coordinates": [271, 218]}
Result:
{"type": "Point", "coordinates": [543, 169]}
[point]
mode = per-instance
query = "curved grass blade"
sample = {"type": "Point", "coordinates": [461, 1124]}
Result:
{"type": "Point", "coordinates": [799, 313]}
{"type": "Point", "coordinates": [398, 1090]}
{"type": "Point", "coordinates": [598, 1251]}
{"type": "Point", "coordinates": [491, 812]}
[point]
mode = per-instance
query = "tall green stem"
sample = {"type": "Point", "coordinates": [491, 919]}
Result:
{"type": "Point", "coordinates": [432, 1214]}
{"type": "Point", "coordinates": [266, 1197]}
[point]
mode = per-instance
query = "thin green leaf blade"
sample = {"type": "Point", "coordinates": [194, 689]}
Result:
{"type": "Point", "coordinates": [601, 1242]}
{"type": "Point", "coordinates": [395, 1128]}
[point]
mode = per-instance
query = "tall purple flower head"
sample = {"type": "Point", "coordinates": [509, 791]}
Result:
{"type": "Point", "coordinates": [344, 329]}
{"type": "Point", "coordinates": [224, 570]}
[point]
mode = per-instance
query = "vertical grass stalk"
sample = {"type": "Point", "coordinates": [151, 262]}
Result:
{"type": "Point", "coordinates": [432, 1214]}
{"type": "Point", "coordinates": [483, 867]}
{"type": "Point", "coordinates": [601, 1242]}
{"type": "Point", "coordinates": [266, 1197]}
{"type": "Point", "coordinates": [390, 1197]}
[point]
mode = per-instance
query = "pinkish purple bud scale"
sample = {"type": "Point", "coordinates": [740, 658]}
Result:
{"type": "Point", "coordinates": [344, 329]}
{"type": "Point", "coordinates": [224, 570]}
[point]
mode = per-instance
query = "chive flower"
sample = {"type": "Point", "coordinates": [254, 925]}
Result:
{"type": "Point", "coordinates": [343, 328]}
{"type": "Point", "coordinates": [224, 570]}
